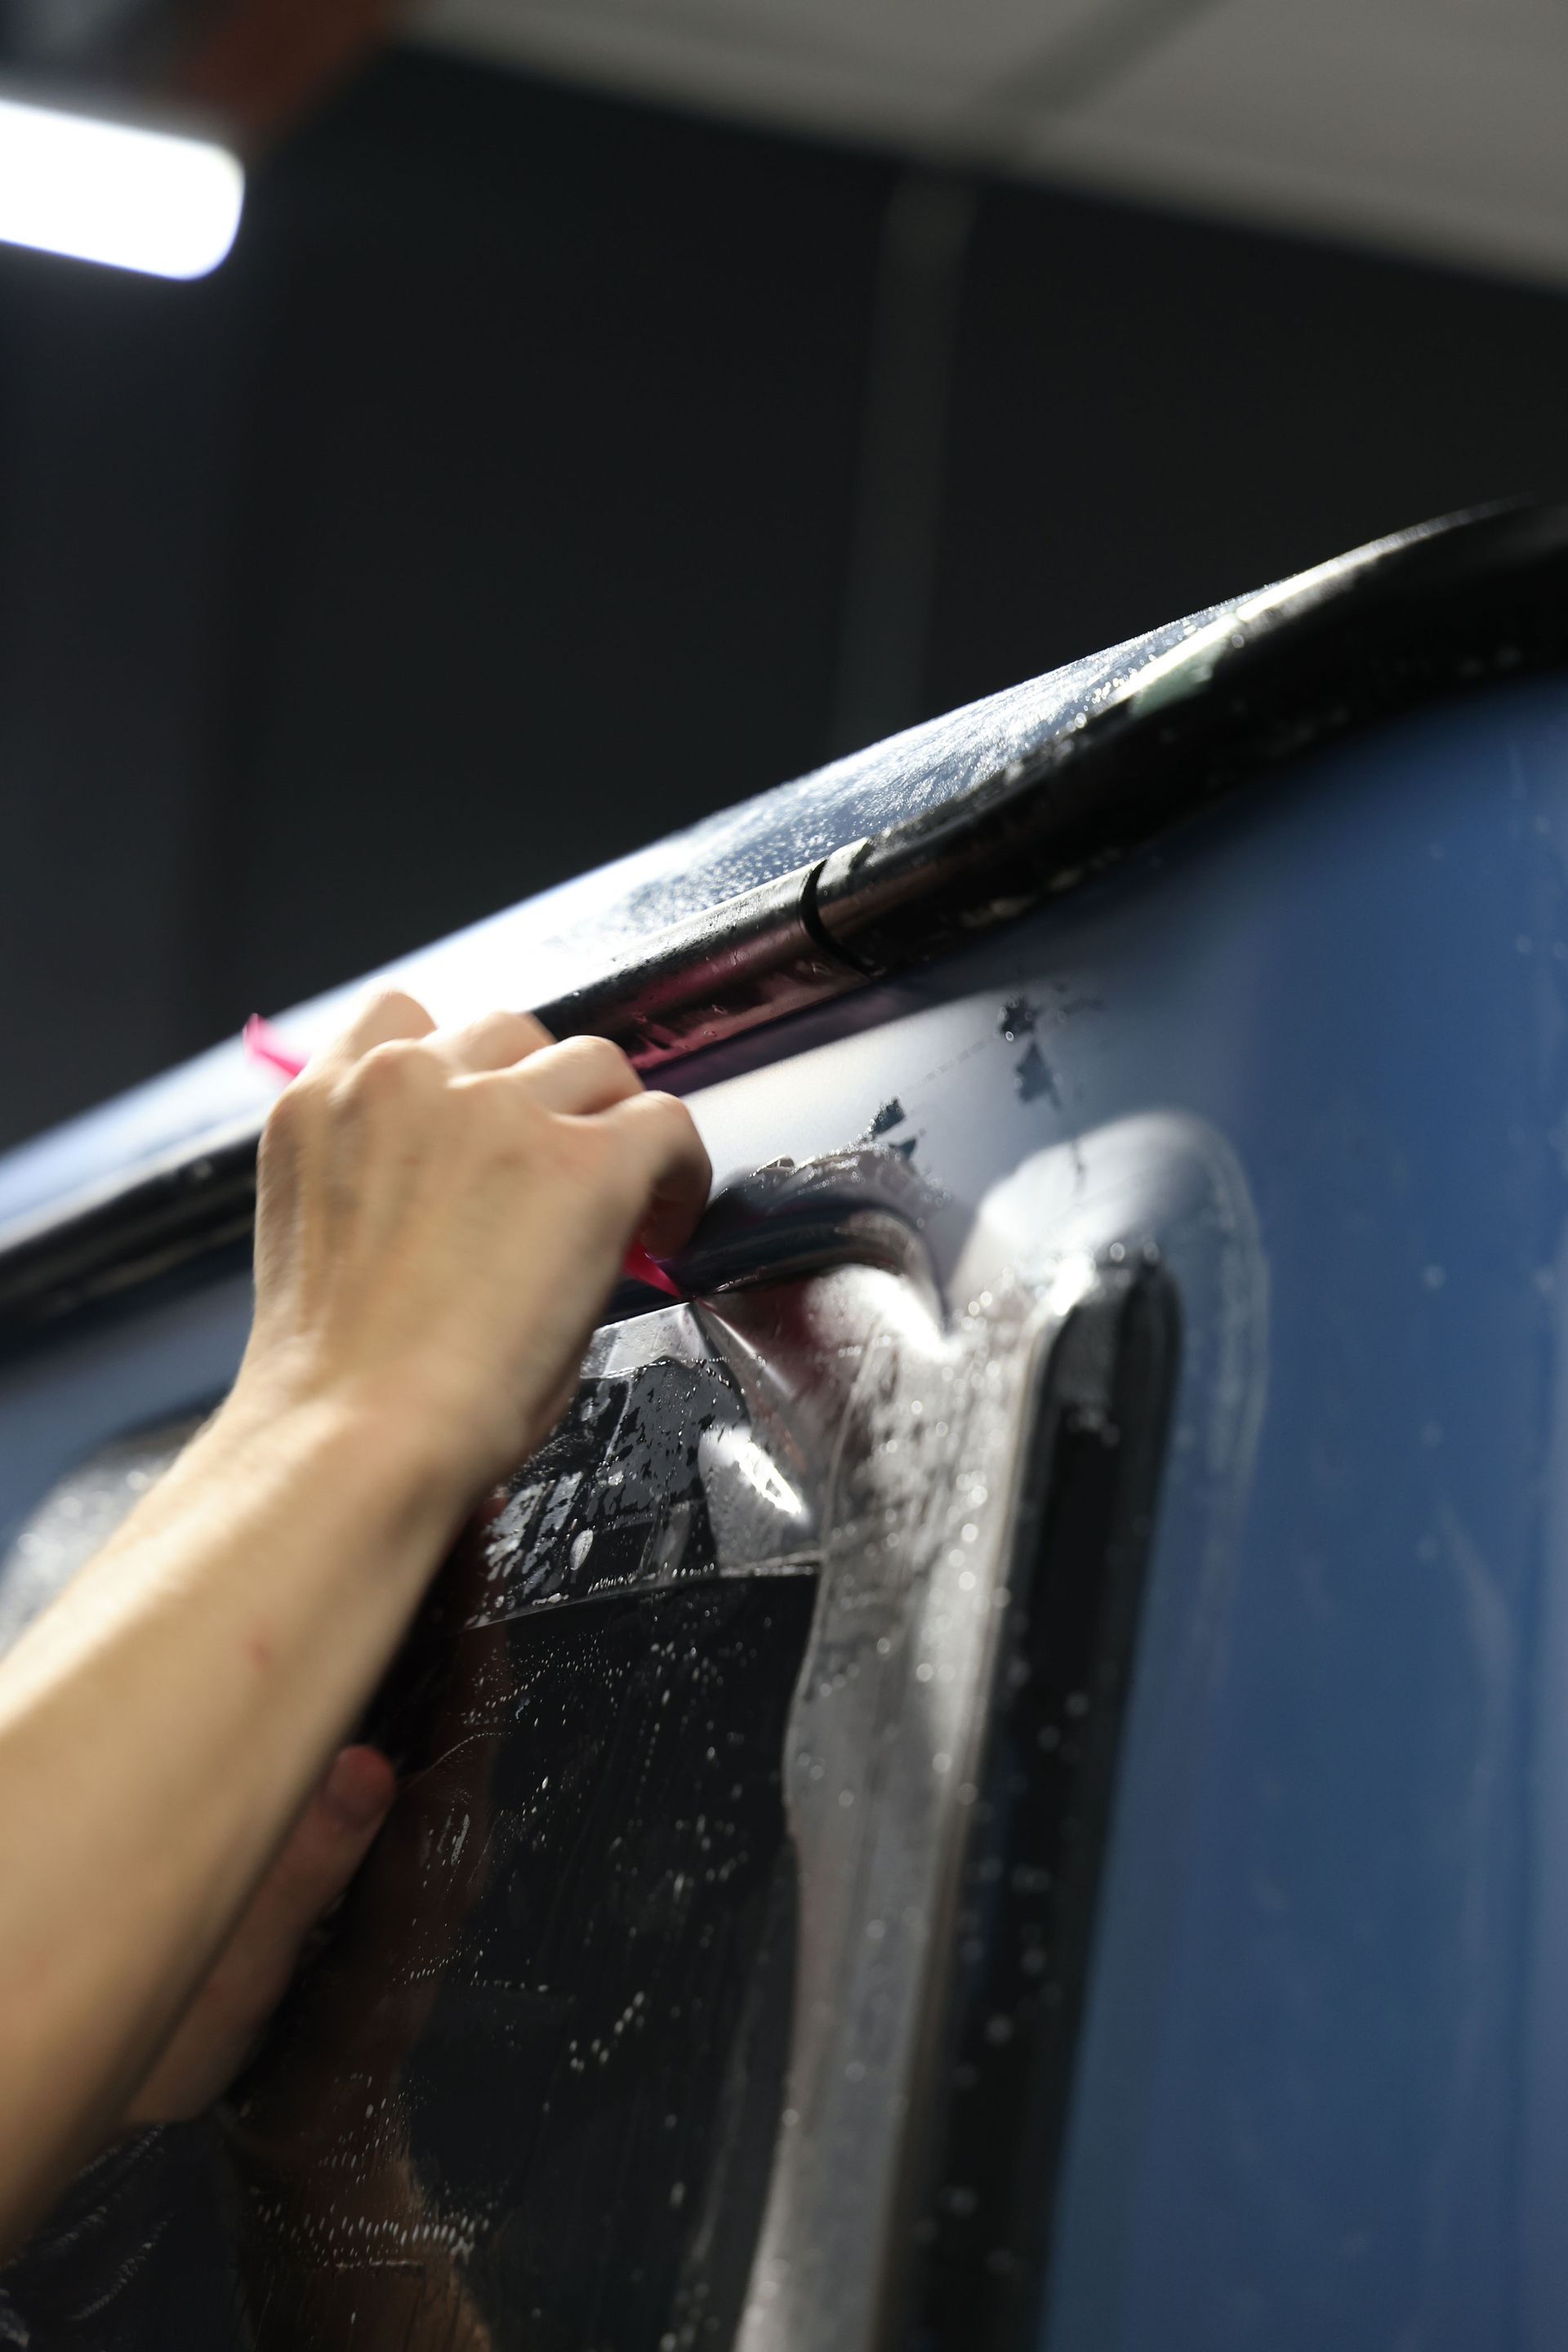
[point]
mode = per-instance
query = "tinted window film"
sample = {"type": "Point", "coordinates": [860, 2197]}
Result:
{"type": "Point", "coordinates": [530, 2094]}
{"type": "Point", "coordinates": [752, 1701]}
{"type": "Point", "coordinates": [528, 2089]}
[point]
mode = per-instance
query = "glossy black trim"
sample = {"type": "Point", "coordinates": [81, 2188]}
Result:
{"type": "Point", "coordinates": [192, 1205]}
{"type": "Point", "coordinates": [865, 1207]}
{"type": "Point", "coordinates": [750, 959]}
{"type": "Point", "coordinates": [1455, 606]}
{"type": "Point", "coordinates": [973, 2264]}
{"type": "Point", "coordinates": [1446, 608]}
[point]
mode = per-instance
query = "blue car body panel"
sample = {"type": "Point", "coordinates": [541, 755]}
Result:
{"type": "Point", "coordinates": [1321, 2094]}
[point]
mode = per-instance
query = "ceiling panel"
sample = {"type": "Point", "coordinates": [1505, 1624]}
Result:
{"type": "Point", "coordinates": [925, 70]}
{"type": "Point", "coordinates": [1438, 128]}
{"type": "Point", "coordinates": [1435, 125]}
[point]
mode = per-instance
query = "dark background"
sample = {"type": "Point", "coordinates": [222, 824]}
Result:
{"type": "Point", "coordinates": [543, 471]}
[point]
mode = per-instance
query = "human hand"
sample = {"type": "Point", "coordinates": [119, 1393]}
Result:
{"type": "Point", "coordinates": [217, 2034]}
{"type": "Point", "coordinates": [440, 1221]}
{"type": "Point", "coordinates": [440, 1218]}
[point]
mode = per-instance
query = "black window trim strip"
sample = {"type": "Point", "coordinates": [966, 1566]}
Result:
{"type": "Point", "coordinates": [1444, 609]}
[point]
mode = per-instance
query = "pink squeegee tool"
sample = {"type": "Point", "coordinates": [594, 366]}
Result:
{"type": "Point", "coordinates": [264, 1045]}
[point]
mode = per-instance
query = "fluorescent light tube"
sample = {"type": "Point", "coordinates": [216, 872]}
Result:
{"type": "Point", "coordinates": [152, 200]}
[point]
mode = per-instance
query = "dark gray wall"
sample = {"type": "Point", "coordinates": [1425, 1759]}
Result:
{"type": "Point", "coordinates": [542, 472]}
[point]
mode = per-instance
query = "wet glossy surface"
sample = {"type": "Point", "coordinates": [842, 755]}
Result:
{"type": "Point", "coordinates": [547, 946]}
{"type": "Point", "coordinates": [529, 2096]}
{"type": "Point", "coordinates": [1095, 1465]}
{"type": "Point", "coordinates": [1321, 2095]}
{"type": "Point", "coordinates": [686, 1737]}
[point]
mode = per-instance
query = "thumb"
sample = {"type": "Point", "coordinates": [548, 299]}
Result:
{"type": "Point", "coordinates": [251, 1974]}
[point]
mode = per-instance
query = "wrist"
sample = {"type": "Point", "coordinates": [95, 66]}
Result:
{"type": "Point", "coordinates": [379, 1451]}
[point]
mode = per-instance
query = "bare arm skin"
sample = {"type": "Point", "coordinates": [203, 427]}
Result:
{"type": "Point", "coordinates": [441, 1218]}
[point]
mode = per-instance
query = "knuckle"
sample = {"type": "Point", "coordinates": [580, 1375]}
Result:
{"type": "Point", "coordinates": [290, 1139]}
{"type": "Point", "coordinates": [286, 1122]}
{"type": "Point", "coordinates": [596, 1064]}
{"type": "Point", "coordinates": [663, 1111]}
{"type": "Point", "coordinates": [393, 1071]}
{"type": "Point", "coordinates": [388, 1003]}
{"type": "Point", "coordinates": [667, 1117]}
{"type": "Point", "coordinates": [605, 1058]}
{"type": "Point", "coordinates": [500, 1037]}
{"type": "Point", "coordinates": [529, 1035]}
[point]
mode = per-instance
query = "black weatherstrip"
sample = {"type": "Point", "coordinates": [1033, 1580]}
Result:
{"type": "Point", "coordinates": [972, 2269]}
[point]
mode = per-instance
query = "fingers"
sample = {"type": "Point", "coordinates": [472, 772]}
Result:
{"type": "Point", "coordinates": [440, 1211]}
{"type": "Point", "coordinates": [354, 1799]}
{"type": "Point", "coordinates": [666, 1155]}
{"type": "Point", "coordinates": [581, 1077]}
{"type": "Point", "coordinates": [494, 1042]}
{"type": "Point", "coordinates": [385, 1016]}
{"type": "Point", "coordinates": [219, 2030]}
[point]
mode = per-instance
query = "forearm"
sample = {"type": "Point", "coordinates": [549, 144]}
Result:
{"type": "Point", "coordinates": [440, 1216]}
{"type": "Point", "coordinates": [165, 1721]}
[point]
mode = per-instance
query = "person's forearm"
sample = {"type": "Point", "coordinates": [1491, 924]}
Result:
{"type": "Point", "coordinates": [440, 1216]}
{"type": "Point", "coordinates": [166, 1720]}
